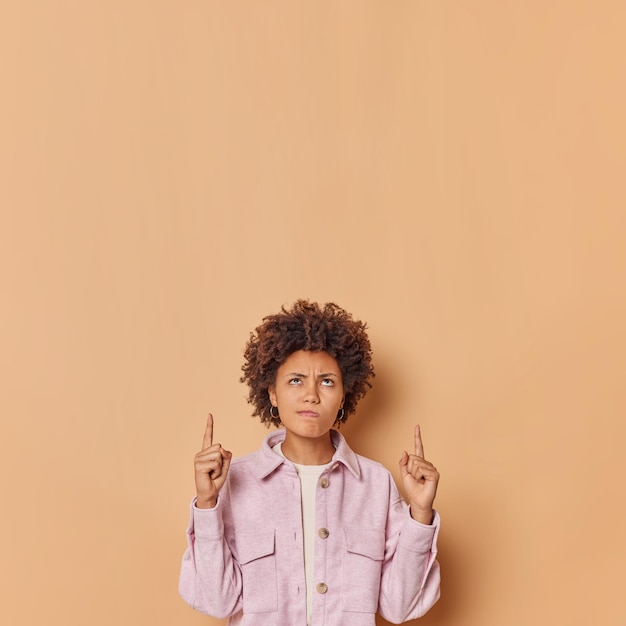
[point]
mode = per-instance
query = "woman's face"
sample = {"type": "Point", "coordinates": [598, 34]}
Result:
{"type": "Point", "coordinates": [308, 393]}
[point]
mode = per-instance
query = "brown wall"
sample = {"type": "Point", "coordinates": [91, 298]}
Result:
{"type": "Point", "coordinates": [452, 172]}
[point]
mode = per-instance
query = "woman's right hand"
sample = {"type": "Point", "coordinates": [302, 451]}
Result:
{"type": "Point", "coordinates": [211, 466]}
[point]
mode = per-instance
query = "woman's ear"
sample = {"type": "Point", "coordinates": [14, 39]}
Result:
{"type": "Point", "coordinates": [272, 394]}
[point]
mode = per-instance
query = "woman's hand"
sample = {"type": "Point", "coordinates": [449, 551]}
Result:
{"type": "Point", "coordinates": [211, 466]}
{"type": "Point", "coordinates": [420, 479]}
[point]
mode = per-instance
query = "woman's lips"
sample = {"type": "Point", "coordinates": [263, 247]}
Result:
{"type": "Point", "coordinates": [308, 414]}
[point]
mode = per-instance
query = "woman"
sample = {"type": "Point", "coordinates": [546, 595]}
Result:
{"type": "Point", "coordinates": [304, 531]}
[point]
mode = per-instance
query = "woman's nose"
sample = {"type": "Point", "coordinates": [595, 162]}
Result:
{"type": "Point", "coordinates": [311, 393]}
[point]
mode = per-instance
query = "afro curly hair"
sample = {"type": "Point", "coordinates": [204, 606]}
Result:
{"type": "Point", "coordinates": [312, 327]}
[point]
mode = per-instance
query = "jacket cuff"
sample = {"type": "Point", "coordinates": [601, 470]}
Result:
{"type": "Point", "coordinates": [206, 522]}
{"type": "Point", "coordinates": [418, 537]}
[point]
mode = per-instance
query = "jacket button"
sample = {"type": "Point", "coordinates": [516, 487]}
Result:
{"type": "Point", "coordinates": [322, 587]}
{"type": "Point", "coordinates": [324, 483]}
{"type": "Point", "coordinates": [323, 533]}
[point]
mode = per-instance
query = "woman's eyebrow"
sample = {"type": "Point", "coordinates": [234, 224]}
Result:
{"type": "Point", "coordinates": [325, 375]}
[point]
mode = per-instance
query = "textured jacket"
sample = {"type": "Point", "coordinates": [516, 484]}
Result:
{"type": "Point", "coordinates": [245, 557]}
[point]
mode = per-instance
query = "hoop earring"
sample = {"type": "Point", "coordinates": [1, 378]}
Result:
{"type": "Point", "coordinates": [340, 415]}
{"type": "Point", "coordinates": [277, 416]}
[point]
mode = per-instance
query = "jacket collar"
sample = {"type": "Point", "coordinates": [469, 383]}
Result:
{"type": "Point", "coordinates": [268, 460]}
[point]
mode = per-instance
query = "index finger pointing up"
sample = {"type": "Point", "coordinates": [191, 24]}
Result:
{"type": "Point", "coordinates": [419, 446]}
{"type": "Point", "coordinates": [208, 433]}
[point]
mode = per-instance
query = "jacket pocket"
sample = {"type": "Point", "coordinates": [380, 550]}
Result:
{"type": "Point", "coordinates": [362, 566]}
{"type": "Point", "coordinates": [257, 557]}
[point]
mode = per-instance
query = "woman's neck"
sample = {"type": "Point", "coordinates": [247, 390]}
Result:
{"type": "Point", "coordinates": [308, 451]}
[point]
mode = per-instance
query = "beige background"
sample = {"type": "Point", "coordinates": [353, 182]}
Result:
{"type": "Point", "coordinates": [451, 172]}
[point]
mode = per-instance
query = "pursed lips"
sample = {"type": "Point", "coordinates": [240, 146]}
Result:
{"type": "Point", "coordinates": [308, 413]}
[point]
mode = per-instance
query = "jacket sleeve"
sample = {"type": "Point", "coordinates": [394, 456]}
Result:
{"type": "Point", "coordinates": [210, 578]}
{"type": "Point", "coordinates": [410, 573]}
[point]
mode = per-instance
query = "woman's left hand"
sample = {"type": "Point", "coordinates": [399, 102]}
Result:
{"type": "Point", "coordinates": [420, 478]}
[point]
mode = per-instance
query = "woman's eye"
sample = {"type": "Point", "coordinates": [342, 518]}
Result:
{"type": "Point", "coordinates": [328, 382]}
{"type": "Point", "coordinates": [294, 381]}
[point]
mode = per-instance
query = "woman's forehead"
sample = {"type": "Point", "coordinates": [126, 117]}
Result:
{"type": "Point", "coordinates": [308, 361]}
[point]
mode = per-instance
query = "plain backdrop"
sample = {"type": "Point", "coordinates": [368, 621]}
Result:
{"type": "Point", "coordinates": [452, 172]}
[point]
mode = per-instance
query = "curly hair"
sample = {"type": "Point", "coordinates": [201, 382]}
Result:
{"type": "Point", "coordinates": [307, 326]}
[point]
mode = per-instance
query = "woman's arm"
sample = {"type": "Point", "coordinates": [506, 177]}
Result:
{"type": "Point", "coordinates": [410, 575]}
{"type": "Point", "coordinates": [210, 578]}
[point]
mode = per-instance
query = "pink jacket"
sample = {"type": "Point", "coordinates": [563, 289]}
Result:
{"type": "Point", "coordinates": [245, 557]}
